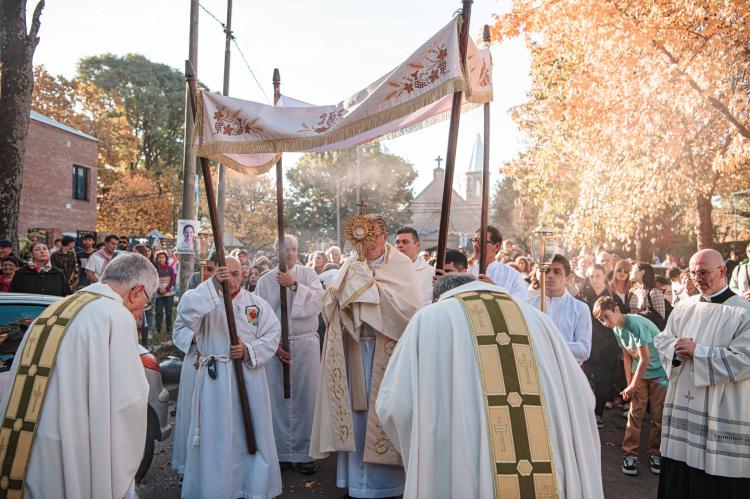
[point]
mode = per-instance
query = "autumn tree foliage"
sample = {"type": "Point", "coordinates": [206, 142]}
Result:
{"type": "Point", "coordinates": [250, 209]}
{"type": "Point", "coordinates": [639, 113]}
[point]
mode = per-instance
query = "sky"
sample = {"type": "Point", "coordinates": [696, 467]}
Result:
{"type": "Point", "coordinates": [325, 51]}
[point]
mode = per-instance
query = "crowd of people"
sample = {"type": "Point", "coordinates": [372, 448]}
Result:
{"type": "Point", "coordinates": [613, 325]}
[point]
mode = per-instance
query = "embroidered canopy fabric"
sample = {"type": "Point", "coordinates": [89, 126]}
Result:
{"type": "Point", "coordinates": [246, 136]}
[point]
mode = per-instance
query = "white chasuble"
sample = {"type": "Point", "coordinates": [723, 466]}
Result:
{"type": "Point", "coordinates": [707, 406]}
{"type": "Point", "coordinates": [184, 339]}
{"type": "Point", "coordinates": [292, 418]}
{"type": "Point", "coordinates": [432, 406]}
{"type": "Point", "coordinates": [92, 429]}
{"type": "Point", "coordinates": [366, 307]}
{"type": "Point", "coordinates": [218, 463]}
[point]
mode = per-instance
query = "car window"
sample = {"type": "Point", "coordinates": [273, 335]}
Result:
{"type": "Point", "coordinates": [11, 313]}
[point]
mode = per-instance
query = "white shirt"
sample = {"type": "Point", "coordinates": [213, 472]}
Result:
{"type": "Point", "coordinates": [506, 277]}
{"type": "Point", "coordinates": [425, 272]}
{"type": "Point", "coordinates": [573, 319]}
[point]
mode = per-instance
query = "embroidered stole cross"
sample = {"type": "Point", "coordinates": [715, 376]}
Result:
{"type": "Point", "coordinates": [520, 445]}
{"type": "Point", "coordinates": [29, 388]}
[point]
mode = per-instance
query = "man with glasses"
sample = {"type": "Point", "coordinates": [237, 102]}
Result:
{"type": "Point", "coordinates": [740, 281]}
{"type": "Point", "coordinates": [705, 349]}
{"type": "Point", "coordinates": [77, 404]}
{"type": "Point", "coordinates": [501, 274]}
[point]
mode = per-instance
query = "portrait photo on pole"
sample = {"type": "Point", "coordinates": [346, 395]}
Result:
{"type": "Point", "coordinates": [186, 230]}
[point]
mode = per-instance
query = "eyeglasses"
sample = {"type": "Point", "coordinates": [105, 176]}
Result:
{"type": "Point", "coordinates": [624, 271]}
{"type": "Point", "coordinates": [148, 304]}
{"type": "Point", "coordinates": [701, 273]}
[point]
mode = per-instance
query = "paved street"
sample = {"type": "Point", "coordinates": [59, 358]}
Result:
{"type": "Point", "coordinates": [162, 482]}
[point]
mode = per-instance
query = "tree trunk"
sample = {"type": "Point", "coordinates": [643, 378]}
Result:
{"type": "Point", "coordinates": [643, 248]}
{"type": "Point", "coordinates": [705, 227]}
{"type": "Point", "coordinates": [16, 54]}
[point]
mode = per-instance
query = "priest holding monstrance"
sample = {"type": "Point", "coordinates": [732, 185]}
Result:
{"type": "Point", "coordinates": [366, 308]}
{"type": "Point", "coordinates": [483, 399]}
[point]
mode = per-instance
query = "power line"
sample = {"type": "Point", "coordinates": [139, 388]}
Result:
{"type": "Point", "coordinates": [237, 46]}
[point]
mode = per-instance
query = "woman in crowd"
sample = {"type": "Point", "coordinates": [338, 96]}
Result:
{"type": "Point", "coordinates": [604, 361]}
{"type": "Point", "coordinates": [620, 285]}
{"type": "Point", "coordinates": [523, 266]}
{"type": "Point", "coordinates": [646, 299]}
{"type": "Point", "coordinates": [9, 267]}
{"type": "Point", "coordinates": [39, 276]}
{"type": "Point", "coordinates": [165, 292]}
{"type": "Point", "coordinates": [318, 260]}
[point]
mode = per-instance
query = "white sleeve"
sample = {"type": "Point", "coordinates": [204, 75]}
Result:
{"type": "Point", "coordinates": [306, 301]}
{"type": "Point", "coordinates": [191, 310]}
{"type": "Point", "coordinates": [580, 345]}
{"type": "Point", "coordinates": [264, 347]}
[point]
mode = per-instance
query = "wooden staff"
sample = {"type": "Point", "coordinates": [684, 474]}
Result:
{"type": "Point", "coordinates": [450, 157]}
{"type": "Point", "coordinates": [485, 175]}
{"type": "Point", "coordinates": [282, 248]}
{"type": "Point", "coordinates": [219, 245]}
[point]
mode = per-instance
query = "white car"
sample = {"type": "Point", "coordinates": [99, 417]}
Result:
{"type": "Point", "coordinates": [18, 310]}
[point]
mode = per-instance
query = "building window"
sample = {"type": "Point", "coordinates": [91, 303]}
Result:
{"type": "Point", "coordinates": [80, 183]}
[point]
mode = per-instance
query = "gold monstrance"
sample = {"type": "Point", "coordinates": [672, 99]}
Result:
{"type": "Point", "coordinates": [359, 231]}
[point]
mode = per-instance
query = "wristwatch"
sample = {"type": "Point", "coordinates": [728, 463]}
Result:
{"type": "Point", "coordinates": [293, 287]}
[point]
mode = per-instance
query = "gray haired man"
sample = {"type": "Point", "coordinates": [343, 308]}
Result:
{"type": "Point", "coordinates": [78, 392]}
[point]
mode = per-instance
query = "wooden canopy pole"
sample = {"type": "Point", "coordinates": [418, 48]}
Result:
{"type": "Point", "coordinates": [219, 245]}
{"type": "Point", "coordinates": [450, 157]}
{"type": "Point", "coordinates": [282, 248]}
{"type": "Point", "coordinates": [485, 174]}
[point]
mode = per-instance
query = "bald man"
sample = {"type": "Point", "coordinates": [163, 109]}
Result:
{"type": "Point", "coordinates": [218, 463]}
{"type": "Point", "coordinates": [705, 350]}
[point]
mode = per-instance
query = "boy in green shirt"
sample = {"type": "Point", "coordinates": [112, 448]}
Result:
{"type": "Point", "coordinates": [647, 381]}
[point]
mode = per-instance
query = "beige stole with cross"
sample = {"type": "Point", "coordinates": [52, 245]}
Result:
{"type": "Point", "coordinates": [37, 361]}
{"type": "Point", "coordinates": [520, 444]}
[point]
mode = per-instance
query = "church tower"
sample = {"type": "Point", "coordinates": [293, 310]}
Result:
{"type": "Point", "coordinates": [474, 173]}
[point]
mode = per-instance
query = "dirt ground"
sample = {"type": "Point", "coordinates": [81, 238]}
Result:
{"type": "Point", "coordinates": [163, 483]}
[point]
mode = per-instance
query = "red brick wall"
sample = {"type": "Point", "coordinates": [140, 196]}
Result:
{"type": "Point", "coordinates": [47, 193]}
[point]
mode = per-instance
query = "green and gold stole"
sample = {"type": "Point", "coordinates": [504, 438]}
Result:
{"type": "Point", "coordinates": [29, 388]}
{"type": "Point", "coordinates": [520, 444]}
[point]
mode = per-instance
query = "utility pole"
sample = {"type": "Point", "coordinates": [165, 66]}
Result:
{"type": "Point", "coordinates": [359, 158]}
{"type": "Point", "coordinates": [221, 189]}
{"type": "Point", "coordinates": [187, 262]}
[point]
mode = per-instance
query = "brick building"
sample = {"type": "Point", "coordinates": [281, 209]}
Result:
{"type": "Point", "coordinates": [59, 179]}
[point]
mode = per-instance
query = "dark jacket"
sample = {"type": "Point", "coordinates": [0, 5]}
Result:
{"type": "Point", "coordinates": [53, 282]}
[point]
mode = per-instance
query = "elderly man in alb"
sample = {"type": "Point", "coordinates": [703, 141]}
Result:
{"type": "Point", "coordinates": [292, 418]}
{"type": "Point", "coordinates": [483, 399]}
{"type": "Point", "coordinates": [74, 415]}
{"type": "Point", "coordinates": [705, 349]}
{"type": "Point", "coordinates": [366, 307]}
{"type": "Point", "coordinates": [218, 462]}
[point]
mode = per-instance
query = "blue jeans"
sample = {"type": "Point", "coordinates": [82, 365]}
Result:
{"type": "Point", "coordinates": [163, 309]}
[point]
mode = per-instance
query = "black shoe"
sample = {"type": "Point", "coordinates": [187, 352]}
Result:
{"type": "Point", "coordinates": [630, 465]}
{"type": "Point", "coordinates": [599, 422]}
{"type": "Point", "coordinates": [655, 463]}
{"type": "Point", "coordinates": [284, 465]}
{"type": "Point", "coordinates": [306, 468]}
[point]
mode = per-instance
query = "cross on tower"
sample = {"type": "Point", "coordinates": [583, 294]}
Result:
{"type": "Point", "coordinates": [526, 364]}
{"type": "Point", "coordinates": [439, 160]}
{"type": "Point", "coordinates": [501, 429]}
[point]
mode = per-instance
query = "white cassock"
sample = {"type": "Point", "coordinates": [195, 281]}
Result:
{"type": "Point", "coordinates": [90, 437]}
{"type": "Point", "coordinates": [432, 406]}
{"type": "Point", "coordinates": [506, 277]}
{"type": "Point", "coordinates": [425, 273]}
{"type": "Point", "coordinates": [218, 463]}
{"type": "Point", "coordinates": [573, 319]}
{"type": "Point", "coordinates": [182, 337]}
{"type": "Point", "coordinates": [292, 418]}
{"type": "Point", "coordinates": [707, 406]}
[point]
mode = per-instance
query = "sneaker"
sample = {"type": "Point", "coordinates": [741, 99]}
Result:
{"type": "Point", "coordinates": [599, 422]}
{"type": "Point", "coordinates": [306, 468]}
{"type": "Point", "coordinates": [655, 462]}
{"type": "Point", "coordinates": [630, 465]}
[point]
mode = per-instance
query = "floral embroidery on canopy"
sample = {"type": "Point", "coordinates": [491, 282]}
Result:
{"type": "Point", "coordinates": [424, 75]}
{"type": "Point", "coordinates": [234, 124]}
{"type": "Point", "coordinates": [485, 77]}
{"type": "Point", "coordinates": [326, 121]}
